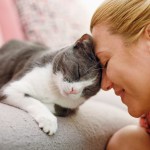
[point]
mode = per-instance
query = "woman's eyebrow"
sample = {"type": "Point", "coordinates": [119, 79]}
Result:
{"type": "Point", "coordinates": [102, 50]}
{"type": "Point", "coordinates": [102, 55]}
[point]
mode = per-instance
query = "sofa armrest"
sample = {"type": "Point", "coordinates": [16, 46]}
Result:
{"type": "Point", "coordinates": [90, 128]}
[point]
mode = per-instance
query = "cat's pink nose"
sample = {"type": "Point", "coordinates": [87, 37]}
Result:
{"type": "Point", "coordinates": [72, 91]}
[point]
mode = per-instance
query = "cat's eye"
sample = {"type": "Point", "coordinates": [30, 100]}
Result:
{"type": "Point", "coordinates": [67, 80]}
{"type": "Point", "coordinates": [87, 90]}
{"type": "Point", "coordinates": [78, 72]}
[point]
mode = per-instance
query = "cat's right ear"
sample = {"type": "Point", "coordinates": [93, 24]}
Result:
{"type": "Point", "coordinates": [78, 44]}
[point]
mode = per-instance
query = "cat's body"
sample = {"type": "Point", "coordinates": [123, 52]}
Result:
{"type": "Point", "coordinates": [44, 83]}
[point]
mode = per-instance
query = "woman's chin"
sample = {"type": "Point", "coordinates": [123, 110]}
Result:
{"type": "Point", "coordinates": [135, 113]}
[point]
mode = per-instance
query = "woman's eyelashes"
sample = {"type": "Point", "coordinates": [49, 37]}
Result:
{"type": "Point", "coordinates": [106, 64]}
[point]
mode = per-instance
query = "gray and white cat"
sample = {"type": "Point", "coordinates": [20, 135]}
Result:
{"type": "Point", "coordinates": [46, 84]}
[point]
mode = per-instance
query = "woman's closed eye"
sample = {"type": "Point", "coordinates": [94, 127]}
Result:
{"type": "Point", "coordinates": [104, 58]}
{"type": "Point", "coordinates": [106, 64]}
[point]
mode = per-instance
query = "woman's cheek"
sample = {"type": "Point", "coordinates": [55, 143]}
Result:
{"type": "Point", "coordinates": [113, 73]}
{"type": "Point", "coordinates": [109, 70]}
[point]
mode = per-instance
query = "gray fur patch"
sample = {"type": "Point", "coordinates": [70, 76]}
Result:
{"type": "Point", "coordinates": [79, 63]}
{"type": "Point", "coordinates": [61, 111]}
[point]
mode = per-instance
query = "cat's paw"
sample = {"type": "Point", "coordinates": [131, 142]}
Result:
{"type": "Point", "coordinates": [48, 124]}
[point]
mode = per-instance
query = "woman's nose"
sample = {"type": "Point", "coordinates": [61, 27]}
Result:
{"type": "Point", "coordinates": [106, 84]}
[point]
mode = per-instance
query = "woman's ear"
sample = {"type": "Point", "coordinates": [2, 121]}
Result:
{"type": "Point", "coordinates": [147, 32]}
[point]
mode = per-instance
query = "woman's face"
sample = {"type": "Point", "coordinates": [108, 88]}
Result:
{"type": "Point", "coordinates": [126, 68]}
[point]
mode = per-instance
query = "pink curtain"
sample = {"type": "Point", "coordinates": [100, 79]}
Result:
{"type": "Point", "coordinates": [10, 27]}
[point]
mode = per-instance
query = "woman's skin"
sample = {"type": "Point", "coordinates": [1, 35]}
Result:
{"type": "Point", "coordinates": [127, 71]}
{"type": "Point", "coordinates": [130, 138]}
{"type": "Point", "coordinates": [127, 68]}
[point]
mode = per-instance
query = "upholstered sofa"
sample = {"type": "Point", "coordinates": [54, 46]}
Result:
{"type": "Point", "coordinates": [96, 120]}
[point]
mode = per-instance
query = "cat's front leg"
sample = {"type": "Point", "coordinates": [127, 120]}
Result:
{"type": "Point", "coordinates": [45, 119]}
{"type": "Point", "coordinates": [17, 98]}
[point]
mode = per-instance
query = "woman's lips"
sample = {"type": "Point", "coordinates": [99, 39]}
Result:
{"type": "Point", "coordinates": [121, 94]}
{"type": "Point", "coordinates": [118, 93]}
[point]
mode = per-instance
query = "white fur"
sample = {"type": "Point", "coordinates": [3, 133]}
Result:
{"type": "Point", "coordinates": [44, 87]}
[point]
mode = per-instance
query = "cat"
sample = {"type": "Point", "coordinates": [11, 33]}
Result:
{"type": "Point", "coordinates": [48, 84]}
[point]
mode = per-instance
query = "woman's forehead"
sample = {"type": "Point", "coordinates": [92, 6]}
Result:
{"type": "Point", "coordinates": [100, 39]}
{"type": "Point", "coordinates": [104, 40]}
{"type": "Point", "coordinates": [100, 31]}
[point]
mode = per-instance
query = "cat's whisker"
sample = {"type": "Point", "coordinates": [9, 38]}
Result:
{"type": "Point", "coordinates": [92, 55]}
{"type": "Point", "coordinates": [100, 68]}
{"type": "Point", "coordinates": [54, 88]}
{"type": "Point", "coordinates": [89, 56]}
{"type": "Point", "coordinates": [93, 67]}
{"type": "Point", "coordinates": [92, 70]}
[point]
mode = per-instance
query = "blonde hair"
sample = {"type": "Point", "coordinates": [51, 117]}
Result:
{"type": "Point", "coordinates": [127, 18]}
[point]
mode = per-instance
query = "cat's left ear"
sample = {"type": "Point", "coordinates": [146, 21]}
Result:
{"type": "Point", "coordinates": [84, 38]}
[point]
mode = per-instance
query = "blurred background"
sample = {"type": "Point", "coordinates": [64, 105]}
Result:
{"type": "Point", "coordinates": [91, 5]}
{"type": "Point", "coordinates": [46, 20]}
{"type": "Point", "coordinates": [55, 23]}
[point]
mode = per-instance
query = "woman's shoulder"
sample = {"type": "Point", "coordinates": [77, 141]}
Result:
{"type": "Point", "coordinates": [145, 122]}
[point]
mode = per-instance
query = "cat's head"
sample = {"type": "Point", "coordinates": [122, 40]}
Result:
{"type": "Point", "coordinates": [77, 71]}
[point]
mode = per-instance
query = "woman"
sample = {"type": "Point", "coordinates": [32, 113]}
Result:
{"type": "Point", "coordinates": [121, 32]}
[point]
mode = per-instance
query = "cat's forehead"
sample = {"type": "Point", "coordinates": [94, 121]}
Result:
{"type": "Point", "coordinates": [76, 61]}
{"type": "Point", "coordinates": [80, 56]}
{"type": "Point", "coordinates": [60, 76]}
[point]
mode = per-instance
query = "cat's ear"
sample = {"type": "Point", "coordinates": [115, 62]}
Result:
{"type": "Point", "coordinates": [85, 37]}
{"type": "Point", "coordinates": [79, 42]}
